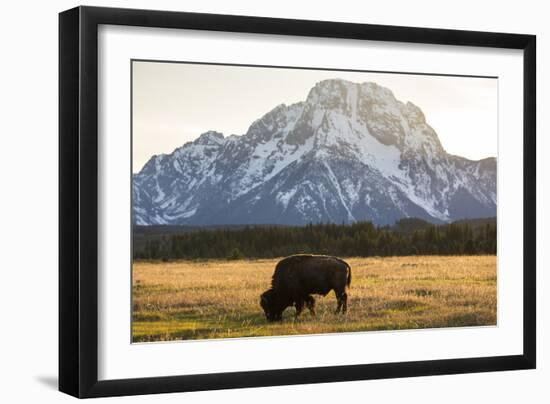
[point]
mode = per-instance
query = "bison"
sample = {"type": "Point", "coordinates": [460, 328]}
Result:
{"type": "Point", "coordinates": [297, 277]}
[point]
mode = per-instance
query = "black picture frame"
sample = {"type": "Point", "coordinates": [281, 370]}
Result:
{"type": "Point", "coordinates": [78, 200]}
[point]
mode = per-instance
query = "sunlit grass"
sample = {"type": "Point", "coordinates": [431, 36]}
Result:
{"type": "Point", "coordinates": [220, 299]}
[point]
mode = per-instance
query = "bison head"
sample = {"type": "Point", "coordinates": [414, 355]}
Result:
{"type": "Point", "coordinates": [270, 304]}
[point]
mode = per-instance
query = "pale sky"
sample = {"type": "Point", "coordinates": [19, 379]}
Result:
{"type": "Point", "coordinates": [174, 103]}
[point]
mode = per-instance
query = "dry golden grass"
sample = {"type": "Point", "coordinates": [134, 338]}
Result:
{"type": "Point", "coordinates": [220, 299]}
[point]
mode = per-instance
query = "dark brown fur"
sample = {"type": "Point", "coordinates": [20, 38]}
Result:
{"type": "Point", "coordinates": [298, 277]}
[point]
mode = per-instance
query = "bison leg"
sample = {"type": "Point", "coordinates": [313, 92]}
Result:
{"type": "Point", "coordinates": [342, 299]}
{"type": "Point", "coordinates": [310, 303]}
{"type": "Point", "coordinates": [339, 304]}
{"type": "Point", "coordinates": [345, 303]}
{"type": "Point", "coordinates": [299, 307]}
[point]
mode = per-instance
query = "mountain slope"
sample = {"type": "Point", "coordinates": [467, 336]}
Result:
{"type": "Point", "coordinates": [349, 152]}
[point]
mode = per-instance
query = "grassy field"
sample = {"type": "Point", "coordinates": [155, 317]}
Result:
{"type": "Point", "coordinates": [220, 299]}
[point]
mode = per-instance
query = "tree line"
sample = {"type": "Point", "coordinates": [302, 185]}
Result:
{"type": "Point", "coordinates": [406, 237]}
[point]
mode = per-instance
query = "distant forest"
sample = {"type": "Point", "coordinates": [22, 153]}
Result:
{"type": "Point", "coordinates": [407, 237]}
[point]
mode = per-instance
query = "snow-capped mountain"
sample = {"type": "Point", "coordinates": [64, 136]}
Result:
{"type": "Point", "coordinates": [349, 152]}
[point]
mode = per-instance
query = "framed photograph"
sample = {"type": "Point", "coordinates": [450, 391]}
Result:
{"type": "Point", "coordinates": [251, 201]}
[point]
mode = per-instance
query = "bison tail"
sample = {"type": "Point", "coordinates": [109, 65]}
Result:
{"type": "Point", "coordinates": [349, 276]}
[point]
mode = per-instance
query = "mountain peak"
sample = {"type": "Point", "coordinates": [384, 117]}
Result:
{"type": "Point", "coordinates": [334, 88]}
{"type": "Point", "coordinates": [210, 138]}
{"type": "Point", "coordinates": [334, 82]}
{"type": "Point", "coordinates": [329, 93]}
